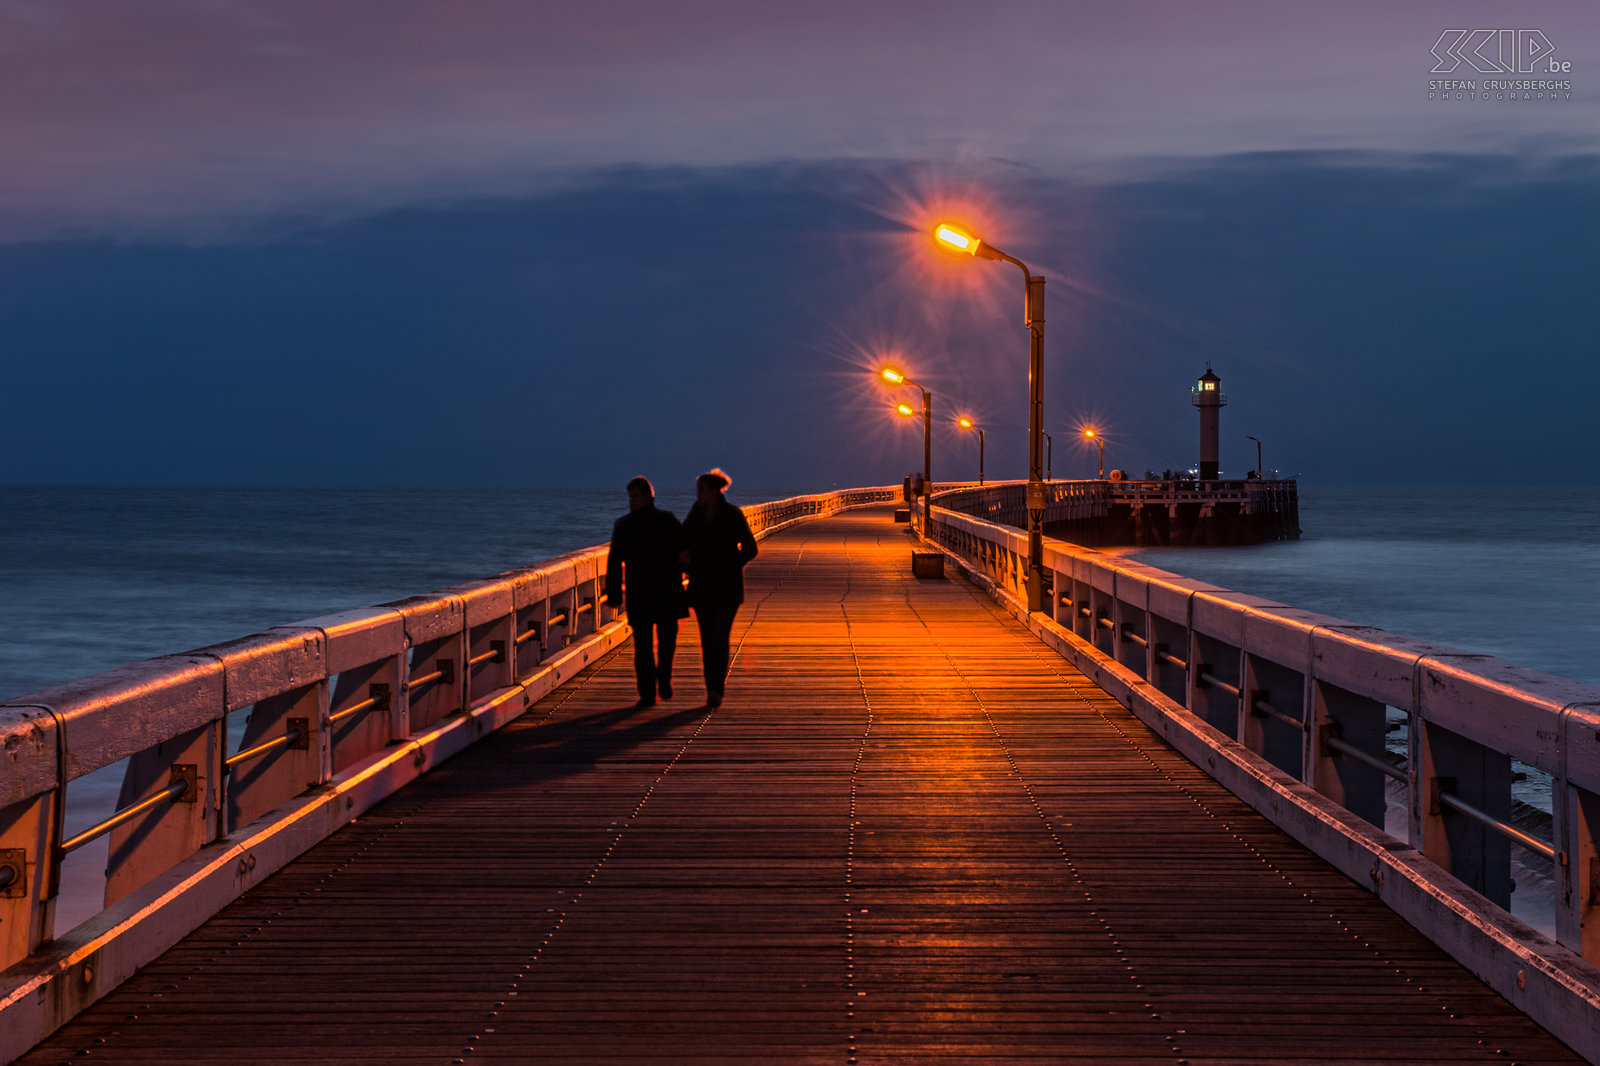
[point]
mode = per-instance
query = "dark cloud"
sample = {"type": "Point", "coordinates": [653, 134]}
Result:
{"type": "Point", "coordinates": [1374, 319]}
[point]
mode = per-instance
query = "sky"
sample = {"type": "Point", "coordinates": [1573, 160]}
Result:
{"type": "Point", "coordinates": [507, 243]}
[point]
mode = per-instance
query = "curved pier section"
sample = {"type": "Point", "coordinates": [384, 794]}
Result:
{"type": "Point", "coordinates": [1143, 513]}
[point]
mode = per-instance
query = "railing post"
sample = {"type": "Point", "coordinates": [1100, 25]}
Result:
{"type": "Point", "coordinates": [30, 822]}
{"type": "Point", "coordinates": [531, 599]}
{"type": "Point", "coordinates": [1448, 763]}
{"type": "Point", "coordinates": [1361, 723]}
{"type": "Point", "coordinates": [490, 637]}
{"type": "Point", "coordinates": [167, 834]}
{"type": "Point", "coordinates": [1577, 832]}
{"type": "Point", "coordinates": [1283, 689]}
{"type": "Point", "coordinates": [435, 628]}
{"type": "Point", "coordinates": [1212, 658]}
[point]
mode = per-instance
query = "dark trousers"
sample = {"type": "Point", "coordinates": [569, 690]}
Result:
{"type": "Point", "coordinates": [716, 623]}
{"type": "Point", "coordinates": [650, 667]}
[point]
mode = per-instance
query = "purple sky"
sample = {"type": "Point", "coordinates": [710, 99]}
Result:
{"type": "Point", "coordinates": [170, 113]}
{"type": "Point", "coordinates": [445, 242]}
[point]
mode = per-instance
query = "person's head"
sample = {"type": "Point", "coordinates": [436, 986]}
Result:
{"type": "Point", "coordinates": [640, 493]}
{"type": "Point", "coordinates": [709, 487]}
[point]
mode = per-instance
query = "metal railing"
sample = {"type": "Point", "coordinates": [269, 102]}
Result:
{"type": "Point", "coordinates": [1471, 715]}
{"type": "Point", "coordinates": [1196, 663]}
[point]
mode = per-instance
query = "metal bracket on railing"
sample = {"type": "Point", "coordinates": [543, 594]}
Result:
{"type": "Point", "coordinates": [13, 873]}
{"type": "Point", "coordinates": [1436, 786]}
{"type": "Point", "coordinates": [380, 697]}
{"type": "Point", "coordinates": [1329, 731]}
{"type": "Point", "coordinates": [298, 730]}
{"type": "Point", "coordinates": [188, 774]}
{"type": "Point", "coordinates": [447, 671]}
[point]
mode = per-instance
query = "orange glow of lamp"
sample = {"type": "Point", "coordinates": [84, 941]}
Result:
{"type": "Point", "coordinates": [967, 423]}
{"type": "Point", "coordinates": [893, 375]}
{"type": "Point", "coordinates": [1091, 434]}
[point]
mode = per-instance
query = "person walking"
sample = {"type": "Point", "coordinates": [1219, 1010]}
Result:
{"type": "Point", "coordinates": [644, 576]}
{"type": "Point", "coordinates": [717, 545]}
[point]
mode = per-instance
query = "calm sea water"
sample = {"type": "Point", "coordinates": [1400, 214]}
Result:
{"type": "Point", "coordinates": [94, 578]}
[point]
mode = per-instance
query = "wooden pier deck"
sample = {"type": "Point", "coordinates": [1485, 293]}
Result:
{"type": "Point", "coordinates": [912, 833]}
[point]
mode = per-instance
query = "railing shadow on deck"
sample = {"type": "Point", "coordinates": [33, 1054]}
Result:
{"type": "Point", "coordinates": [340, 712]}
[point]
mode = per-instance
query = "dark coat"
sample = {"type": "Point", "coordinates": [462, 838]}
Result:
{"type": "Point", "coordinates": [642, 571]}
{"type": "Point", "coordinates": [719, 543]}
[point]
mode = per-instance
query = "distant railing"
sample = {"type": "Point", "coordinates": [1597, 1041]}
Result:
{"type": "Point", "coordinates": [342, 711]}
{"type": "Point", "coordinates": [1316, 697]}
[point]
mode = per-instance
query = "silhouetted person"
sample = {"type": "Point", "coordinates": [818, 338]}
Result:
{"type": "Point", "coordinates": [717, 544]}
{"type": "Point", "coordinates": [644, 575]}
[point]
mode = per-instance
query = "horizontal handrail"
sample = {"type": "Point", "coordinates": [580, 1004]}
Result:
{"type": "Point", "coordinates": [288, 739]}
{"type": "Point", "coordinates": [1361, 756]}
{"type": "Point", "coordinates": [496, 653]}
{"type": "Point", "coordinates": [1511, 832]}
{"type": "Point", "coordinates": [1170, 659]}
{"type": "Point", "coordinates": [171, 793]}
{"type": "Point", "coordinates": [355, 708]}
{"type": "Point", "coordinates": [1266, 710]}
{"type": "Point", "coordinates": [1211, 681]}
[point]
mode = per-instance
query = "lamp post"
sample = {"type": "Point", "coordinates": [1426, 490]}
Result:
{"type": "Point", "coordinates": [1093, 434]}
{"type": "Point", "coordinates": [958, 239]}
{"type": "Point", "coordinates": [1259, 472]}
{"type": "Point", "coordinates": [1049, 446]}
{"type": "Point", "coordinates": [893, 376]}
{"type": "Point", "coordinates": [966, 423]}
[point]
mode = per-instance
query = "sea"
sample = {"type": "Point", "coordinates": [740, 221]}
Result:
{"type": "Point", "coordinates": [93, 578]}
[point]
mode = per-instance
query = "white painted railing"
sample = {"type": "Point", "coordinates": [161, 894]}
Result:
{"type": "Point", "coordinates": [342, 711]}
{"type": "Point", "coordinates": [1302, 702]}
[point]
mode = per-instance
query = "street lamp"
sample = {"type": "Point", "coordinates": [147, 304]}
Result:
{"type": "Point", "coordinates": [1092, 434]}
{"type": "Point", "coordinates": [957, 239]}
{"type": "Point", "coordinates": [966, 423]}
{"type": "Point", "coordinates": [1049, 447]}
{"type": "Point", "coordinates": [895, 377]}
{"type": "Point", "coordinates": [1259, 472]}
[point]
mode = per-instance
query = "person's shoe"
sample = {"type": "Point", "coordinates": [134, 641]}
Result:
{"type": "Point", "coordinates": [645, 701]}
{"type": "Point", "coordinates": [666, 690]}
{"type": "Point", "coordinates": [713, 700]}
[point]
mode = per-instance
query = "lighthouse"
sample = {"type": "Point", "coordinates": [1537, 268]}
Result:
{"type": "Point", "coordinates": [1209, 398]}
